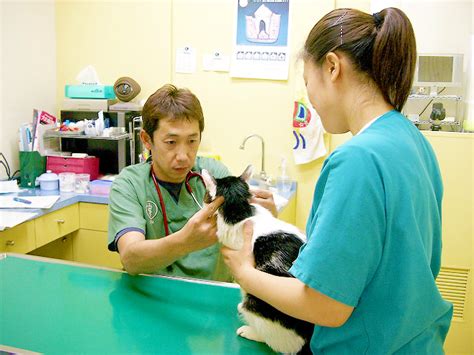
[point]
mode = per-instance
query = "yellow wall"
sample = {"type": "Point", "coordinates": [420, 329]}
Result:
{"type": "Point", "coordinates": [139, 39]}
{"type": "Point", "coordinates": [131, 38]}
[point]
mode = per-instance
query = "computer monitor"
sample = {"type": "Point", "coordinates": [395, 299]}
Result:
{"type": "Point", "coordinates": [438, 70]}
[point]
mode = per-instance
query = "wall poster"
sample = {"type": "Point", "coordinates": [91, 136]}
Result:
{"type": "Point", "coordinates": [261, 49]}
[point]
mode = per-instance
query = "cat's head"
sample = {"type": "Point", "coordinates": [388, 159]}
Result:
{"type": "Point", "coordinates": [236, 193]}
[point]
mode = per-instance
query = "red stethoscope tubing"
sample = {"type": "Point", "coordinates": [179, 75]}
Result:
{"type": "Point", "coordinates": [190, 175]}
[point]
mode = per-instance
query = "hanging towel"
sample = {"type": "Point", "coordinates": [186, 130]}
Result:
{"type": "Point", "coordinates": [308, 133]}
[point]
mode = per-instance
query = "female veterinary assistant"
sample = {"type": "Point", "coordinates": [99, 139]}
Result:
{"type": "Point", "coordinates": [156, 222]}
{"type": "Point", "coordinates": [366, 276]}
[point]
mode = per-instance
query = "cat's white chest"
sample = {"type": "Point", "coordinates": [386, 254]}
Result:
{"type": "Point", "coordinates": [263, 224]}
{"type": "Point", "coordinates": [230, 235]}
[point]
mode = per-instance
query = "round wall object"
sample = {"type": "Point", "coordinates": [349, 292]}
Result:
{"type": "Point", "coordinates": [126, 88]}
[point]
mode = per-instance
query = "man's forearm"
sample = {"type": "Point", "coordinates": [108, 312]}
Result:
{"type": "Point", "coordinates": [148, 256]}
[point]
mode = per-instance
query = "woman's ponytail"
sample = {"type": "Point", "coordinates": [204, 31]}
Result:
{"type": "Point", "coordinates": [393, 56]}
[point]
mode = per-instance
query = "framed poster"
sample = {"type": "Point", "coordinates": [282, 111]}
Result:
{"type": "Point", "coordinates": [261, 48]}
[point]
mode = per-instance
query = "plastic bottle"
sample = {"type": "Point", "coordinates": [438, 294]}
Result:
{"type": "Point", "coordinates": [283, 182]}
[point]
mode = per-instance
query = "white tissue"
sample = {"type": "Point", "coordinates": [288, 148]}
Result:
{"type": "Point", "coordinates": [88, 76]}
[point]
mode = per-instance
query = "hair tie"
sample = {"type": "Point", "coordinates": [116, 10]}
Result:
{"type": "Point", "coordinates": [378, 20]}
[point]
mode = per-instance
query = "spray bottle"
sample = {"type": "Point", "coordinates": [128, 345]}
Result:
{"type": "Point", "coordinates": [283, 182]}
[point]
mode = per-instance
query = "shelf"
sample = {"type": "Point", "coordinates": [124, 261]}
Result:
{"type": "Point", "coordinates": [437, 97]}
{"type": "Point", "coordinates": [83, 136]}
{"type": "Point", "coordinates": [442, 123]}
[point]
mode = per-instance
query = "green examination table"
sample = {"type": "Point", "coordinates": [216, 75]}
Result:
{"type": "Point", "coordinates": [50, 306]}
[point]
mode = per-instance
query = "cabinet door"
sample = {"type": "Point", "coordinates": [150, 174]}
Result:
{"type": "Point", "coordinates": [90, 247]}
{"type": "Point", "coordinates": [58, 249]}
{"type": "Point", "coordinates": [19, 239]}
{"type": "Point", "coordinates": [94, 216]}
{"type": "Point", "coordinates": [56, 224]}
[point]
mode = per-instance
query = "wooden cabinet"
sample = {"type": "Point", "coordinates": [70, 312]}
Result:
{"type": "Point", "coordinates": [90, 241]}
{"type": "Point", "coordinates": [76, 233]}
{"type": "Point", "coordinates": [94, 216]}
{"type": "Point", "coordinates": [59, 249]}
{"type": "Point", "coordinates": [20, 239]}
{"type": "Point", "coordinates": [455, 154]}
{"type": "Point", "coordinates": [56, 224]}
{"type": "Point", "coordinates": [90, 247]}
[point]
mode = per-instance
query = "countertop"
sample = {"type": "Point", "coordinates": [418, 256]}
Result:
{"type": "Point", "coordinates": [65, 199]}
{"type": "Point", "coordinates": [70, 198]}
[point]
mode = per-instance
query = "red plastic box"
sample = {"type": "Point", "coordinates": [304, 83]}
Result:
{"type": "Point", "coordinates": [88, 165]}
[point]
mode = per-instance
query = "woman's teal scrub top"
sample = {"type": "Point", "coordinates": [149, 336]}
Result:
{"type": "Point", "coordinates": [134, 206]}
{"type": "Point", "coordinates": [374, 243]}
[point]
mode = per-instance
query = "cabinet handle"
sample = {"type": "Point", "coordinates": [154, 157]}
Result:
{"type": "Point", "coordinates": [60, 221]}
{"type": "Point", "coordinates": [10, 243]}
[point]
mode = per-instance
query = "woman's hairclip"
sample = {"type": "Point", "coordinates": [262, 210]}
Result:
{"type": "Point", "coordinates": [339, 21]}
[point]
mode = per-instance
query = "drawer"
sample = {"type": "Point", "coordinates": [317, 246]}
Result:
{"type": "Point", "coordinates": [89, 165]}
{"type": "Point", "coordinates": [19, 239]}
{"type": "Point", "coordinates": [56, 224]}
{"type": "Point", "coordinates": [94, 216]}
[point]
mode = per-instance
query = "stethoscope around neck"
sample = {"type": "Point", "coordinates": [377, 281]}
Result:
{"type": "Point", "coordinates": [189, 176]}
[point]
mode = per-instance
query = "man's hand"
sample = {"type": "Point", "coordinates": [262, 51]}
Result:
{"type": "Point", "coordinates": [240, 261]}
{"type": "Point", "coordinates": [264, 198]}
{"type": "Point", "coordinates": [201, 230]}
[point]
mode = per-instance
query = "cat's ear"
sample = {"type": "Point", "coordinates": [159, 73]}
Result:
{"type": "Point", "coordinates": [247, 174]}
{"type": "Point", "coordinates": [210, 183]}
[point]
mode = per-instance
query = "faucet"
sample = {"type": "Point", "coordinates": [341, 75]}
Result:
{"type": "Point", "coordinates": [263, 174]}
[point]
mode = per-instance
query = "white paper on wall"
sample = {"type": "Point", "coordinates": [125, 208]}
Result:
{"type": "Point", "coordinates": [185, 60]}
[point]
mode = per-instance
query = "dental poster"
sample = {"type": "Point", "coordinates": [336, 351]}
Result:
{"type": "Point", "coordinates": [261, 48]}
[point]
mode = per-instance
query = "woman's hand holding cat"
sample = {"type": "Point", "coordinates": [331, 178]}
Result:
{"type": "Point", "coordinates": [241, 261]}
{"type": "Point", "coordinates": [264, 198]}
{"type": "Point", "coordinates": [201, 229]}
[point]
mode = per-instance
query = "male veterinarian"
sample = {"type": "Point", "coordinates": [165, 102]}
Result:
{"type": "Point", "coordinates": [158, 223]}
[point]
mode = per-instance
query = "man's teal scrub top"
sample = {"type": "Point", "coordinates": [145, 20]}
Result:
{"type": "Point", "coordinates": [134, 206]}
{"type": "Point", "coordinates": [374, 243]}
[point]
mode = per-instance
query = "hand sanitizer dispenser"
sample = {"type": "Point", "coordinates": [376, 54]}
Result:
{"type": "Point", "coordinates": [283, 182]}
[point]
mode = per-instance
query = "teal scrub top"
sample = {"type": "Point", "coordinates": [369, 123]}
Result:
{"type": "Point", "coordinates": [374, 243]}
{"type": "Point", "coordinates": [134, 206]}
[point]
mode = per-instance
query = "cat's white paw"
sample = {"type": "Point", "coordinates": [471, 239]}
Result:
{"type": "Point", "coordinates": [239, 307]}
{"type": "Point", "coordinates": [248, 332]}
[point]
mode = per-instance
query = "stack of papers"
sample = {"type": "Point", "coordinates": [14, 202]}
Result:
{"type": "Point", "coordinates": [8, 186]}
{"type": "Point", "coordinates": [10, 219]}
{"type": "Point", "coordinates": [34, 201]}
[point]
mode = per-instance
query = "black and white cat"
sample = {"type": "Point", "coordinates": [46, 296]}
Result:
{"type": "Point", "coordinates": [275, 246]}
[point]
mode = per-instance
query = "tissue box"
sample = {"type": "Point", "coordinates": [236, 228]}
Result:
{"type": "Point", "coordinates": [89, 91]}
{"type": "Point", "coordinates": [89, 165]}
